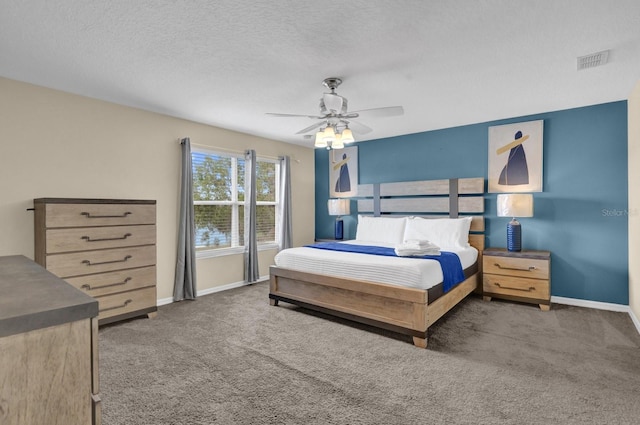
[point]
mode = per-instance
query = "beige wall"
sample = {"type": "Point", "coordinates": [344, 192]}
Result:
{"type": "Point", "coordinates": [634, 200]}
{"type": "Point", "coordinates": [55, 144]}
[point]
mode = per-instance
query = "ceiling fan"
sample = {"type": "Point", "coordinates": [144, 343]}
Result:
{"type": "Point", "coordinates": [335, 123]}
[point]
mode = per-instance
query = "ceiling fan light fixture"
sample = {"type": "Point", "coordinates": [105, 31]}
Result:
{"type": "Point", "coordinates": [334, 118]}
{"type": "Point", "coordinates": [347, 136]}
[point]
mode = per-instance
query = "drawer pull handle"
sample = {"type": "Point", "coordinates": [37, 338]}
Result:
{"type": "Point", "coordinates": [126, 303]}
{"type": "Point", "coordinates": [109, 285]}
{"type": "Point", "coordinates": [88, 238]}
{"type": "Point", "coordinates": [529, 289]}
{"type": "Point", "coordinates": [527, 269]}
{"type": "Point", "coordinates": [88, 215]}
{"type": "Point", "coordinates": [89, 263]}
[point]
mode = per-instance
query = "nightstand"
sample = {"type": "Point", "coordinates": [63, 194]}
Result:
{"type": "Point", "coordinates": [517, 276]}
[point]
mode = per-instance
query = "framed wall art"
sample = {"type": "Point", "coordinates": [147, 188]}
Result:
{"type": "Point", "coordinates": [343, 172]}
{"type": "Point", "coordinates": [515, 157]}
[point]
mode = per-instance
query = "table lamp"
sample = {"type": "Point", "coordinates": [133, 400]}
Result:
{"type": "Point", "coordinates": [515, 205]}
{"type": "Point", "coordinates": [339, 207]}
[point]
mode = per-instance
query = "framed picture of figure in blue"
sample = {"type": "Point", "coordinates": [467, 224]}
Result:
{"type": "Point", "coordinates": [515, 157]}
{"type": "Point", "coordinates": [343, 172]}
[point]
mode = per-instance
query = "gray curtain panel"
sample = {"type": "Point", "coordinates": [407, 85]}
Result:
{"type": "Point", "coordinates": [285, 203]}
{"type": "Point", "coordinates": [251, 271]}
{"type": "Point", "coordinates": [185, 281]}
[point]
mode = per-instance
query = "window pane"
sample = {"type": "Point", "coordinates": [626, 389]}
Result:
{"type": "Point", "coordinates": [266, 181]}
{"type": "Point", "coordinates": [266, 223]}
{"type": "Point", "coordinates": [241, 180]}
{"type": "Point", "coordinates": [211, 177]}
{"type": "Point", "coordinates": [213, 226]}
{"type": "Point", "coordinates": [241, 224]}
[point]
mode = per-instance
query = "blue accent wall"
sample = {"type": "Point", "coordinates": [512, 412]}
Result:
{"type": "Point", "coordinates": [581, 215]}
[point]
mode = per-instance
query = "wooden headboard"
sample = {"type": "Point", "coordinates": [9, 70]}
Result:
{"type": "Point", "coordinates": [428, 198]}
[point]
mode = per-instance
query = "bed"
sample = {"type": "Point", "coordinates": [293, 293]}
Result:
{"type": "Point", "coordinates": [407, 307]}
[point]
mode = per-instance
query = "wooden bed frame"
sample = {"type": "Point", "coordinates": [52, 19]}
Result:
{"type": "Point", "coordinates": [400, 309]}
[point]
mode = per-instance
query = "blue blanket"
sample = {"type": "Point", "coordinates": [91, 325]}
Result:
{"type": "Point", "coordinates": [449, 261]}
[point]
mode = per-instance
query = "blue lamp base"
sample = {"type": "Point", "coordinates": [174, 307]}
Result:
{"type": "Point", "coordinates": [339, 230]}
{"type": "Point", "coordinates": [514, 236]}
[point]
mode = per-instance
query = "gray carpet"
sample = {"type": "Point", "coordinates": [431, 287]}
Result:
{"type": "Point", "coordinates": [231, 358]}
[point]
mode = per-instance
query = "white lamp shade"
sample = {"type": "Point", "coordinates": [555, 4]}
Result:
{"type": "Point", "coordinates": [329, 135]}
{"type": "Point", "coordinates": [320, 142]}
{"type": "Point", "coordinates": [339, 206]}
{"type": "Point", "coordinates": [347, 136]}
{"type": "Point", "coordinates": [515, 205]}
{"type": "Point", "coordinates": [337, 143]}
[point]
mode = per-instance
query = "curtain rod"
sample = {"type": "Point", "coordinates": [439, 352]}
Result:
{"type": "Point", "coordinates": [215, 148]}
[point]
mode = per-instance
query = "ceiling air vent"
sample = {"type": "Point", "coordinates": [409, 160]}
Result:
{"type": "Point", "coordinates": [592, 60]}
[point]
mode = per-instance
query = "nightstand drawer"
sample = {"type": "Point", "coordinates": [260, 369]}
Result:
{"type": "Point", "coordinates": [516, 286]}
{"type": "Point", "coordinates": [513, 266]}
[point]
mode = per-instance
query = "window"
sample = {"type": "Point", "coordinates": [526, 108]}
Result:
{"type": "Point", "coordinates": [218, 198]}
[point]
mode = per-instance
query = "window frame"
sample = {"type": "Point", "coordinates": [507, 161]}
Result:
{"type": "Point", "coordinates": [237, 247]}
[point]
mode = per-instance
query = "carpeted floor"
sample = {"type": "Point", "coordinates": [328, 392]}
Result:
{"type": "Point", "coordinates": [231, 358]}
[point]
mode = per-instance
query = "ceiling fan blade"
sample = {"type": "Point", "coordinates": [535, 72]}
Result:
{"type": "Point", "coordinates": [388, 111]}
{"type": "Point", "coordinates": [273, 114]}
{"type": "Point", "coordinates": [311, 127]}
{"type": "Point", "coordinates": [359, 128]}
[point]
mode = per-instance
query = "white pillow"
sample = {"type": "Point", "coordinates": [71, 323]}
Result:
{"type": "Point", "coordinates": [444, 232]}
{"type": "Point", "coordinates": [381, 229]}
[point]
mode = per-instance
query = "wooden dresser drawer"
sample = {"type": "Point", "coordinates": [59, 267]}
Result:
{"type": "Point", "coordinates": [101, 284]}
{"type": "Point", "coordinates": [90, 238]}
{"type": "Point", "coordinates": [516, 286]}
{"type": "Point", "coordinates": [83, 215]}
{"type": "Point", "coordinates": [126, 302]}
{"type": "Point", "coordinates": [90, 262]}
{"type": "Point", "coordinates": [512, 266]}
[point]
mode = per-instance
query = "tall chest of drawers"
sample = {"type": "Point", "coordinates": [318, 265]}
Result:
{"type": "Point", "coordinates": [105, 247]}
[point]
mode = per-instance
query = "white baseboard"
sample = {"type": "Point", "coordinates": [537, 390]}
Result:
{"type": "Point", "coordinates": [635, 320]}
{"type": "Point", "coordinates": [591, 304]}
{"type": "Point", "coordinates": [600, 306]}
{"type": "Point", "coordinates": [165, 301]}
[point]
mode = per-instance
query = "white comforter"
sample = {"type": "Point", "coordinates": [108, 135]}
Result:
{"type": "Point", "coordinates": [402, 271]}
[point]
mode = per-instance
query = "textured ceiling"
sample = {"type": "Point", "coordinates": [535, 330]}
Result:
{"type": "Point", "coordinates": [228, 62]}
